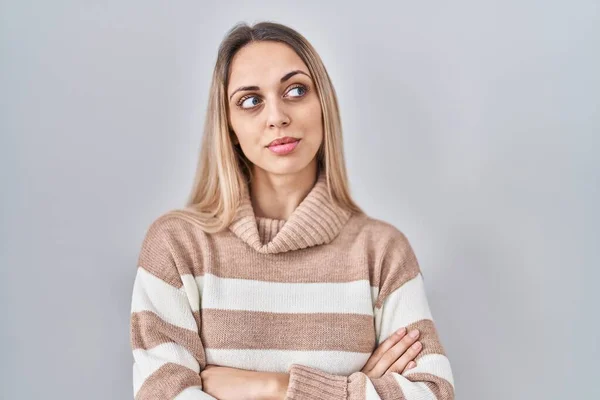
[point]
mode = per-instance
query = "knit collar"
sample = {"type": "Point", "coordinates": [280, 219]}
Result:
{"type": "Point", "coordinates": [316, 220]}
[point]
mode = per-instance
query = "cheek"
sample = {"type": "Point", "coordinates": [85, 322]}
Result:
{"type": "Point", "coordinates": [238, 122]}
{"type": "Point", "coordinates": [311, 117]}
{"type": "Point", "coordinates": [245, 129]}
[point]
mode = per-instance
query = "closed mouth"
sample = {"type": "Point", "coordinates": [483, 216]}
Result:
{"type": "Point", "coordinates": [282, 141]}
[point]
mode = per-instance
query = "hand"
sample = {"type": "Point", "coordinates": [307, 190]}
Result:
{"type": "Point", "coordinates": [395, 354]}
{"type": "Point", "coordinates": [225, 383]}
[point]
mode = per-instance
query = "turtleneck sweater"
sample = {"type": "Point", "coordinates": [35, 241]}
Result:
{"type": "Point", "coordinates": [312, 296]}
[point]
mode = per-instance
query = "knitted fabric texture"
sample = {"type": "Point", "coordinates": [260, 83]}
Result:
{"type": "Point", "coordinates": [312, 296]}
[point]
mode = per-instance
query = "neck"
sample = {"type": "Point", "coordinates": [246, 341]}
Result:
{"type": "Point", "coordinates": [277, 195]}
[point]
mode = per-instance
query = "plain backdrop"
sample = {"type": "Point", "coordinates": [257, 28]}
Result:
{"type": "Point", "coordinates": [473, 126]}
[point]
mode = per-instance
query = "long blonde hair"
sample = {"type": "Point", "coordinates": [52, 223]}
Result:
{"type": "Point", "coordinates": [223, 169]}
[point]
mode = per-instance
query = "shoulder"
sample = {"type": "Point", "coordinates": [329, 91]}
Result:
{"type": "Point", "coordinates": [172, 227]}
{"type": "Point", "coordinates": [383, 235]}
{"type": "Point", "coordinates": [395, 262]}
{"type": "Point", "coordinates": [168, 245]}
{"type": "Point", "coordinates": [168, 221]}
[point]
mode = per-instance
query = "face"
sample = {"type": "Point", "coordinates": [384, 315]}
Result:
{"type": "Point", "coordinates": [267, 101]}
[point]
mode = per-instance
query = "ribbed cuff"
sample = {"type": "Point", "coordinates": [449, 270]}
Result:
{"type": "Point", "coordinates": [311, 383]}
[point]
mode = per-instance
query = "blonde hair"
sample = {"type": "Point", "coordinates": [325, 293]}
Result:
{"type": "Point", "coordinates": [223, 170]}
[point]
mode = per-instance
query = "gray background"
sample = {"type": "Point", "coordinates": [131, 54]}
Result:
{"type": "Point", "coordinates": [471, 125]}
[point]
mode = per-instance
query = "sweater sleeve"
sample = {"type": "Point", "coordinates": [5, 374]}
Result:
{"type": "Point", "coordinates": [401, 301]}
{"type": "Point", "coordinates": [165, 320]}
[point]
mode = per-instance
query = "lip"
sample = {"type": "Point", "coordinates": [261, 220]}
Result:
{"type": "Point", "coordinates": [284, 148]}
{"type": "Point", "coordinates": [283, 140]}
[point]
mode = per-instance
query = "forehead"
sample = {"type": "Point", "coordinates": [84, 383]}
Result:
{"type": "Point", "coordinates": [263, 63]}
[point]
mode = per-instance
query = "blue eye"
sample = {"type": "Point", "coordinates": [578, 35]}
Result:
{"type": "Point", "coordinates": [244, 101]}
{"type": "Point", "coordinates": [303, 89]}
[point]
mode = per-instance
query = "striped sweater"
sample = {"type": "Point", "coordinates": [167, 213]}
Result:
{"type": "Point", "coordinates": [312, 296]}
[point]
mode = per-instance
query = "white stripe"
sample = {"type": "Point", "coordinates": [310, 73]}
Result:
{"type": "Point", "coordinates": [191, 289]}
{"type": "Point", "coordinates": [374, 294]}
{"type": "Point", "coordinates": [200, 284]}
{"type": "Point", "coordinates": [194, 393]}
{"type": "Point", "coordinates": [435, 364]}
{"type": "Point", "coordinates": [149, 361]}
{"type": "Point", "coordinates": [169, 303]}
{"type": "Point", "coordinates": [252, 295]}
{"type": "Point", "coordinates": [414, 390]}
{"type": "Point", "coordinates": [402, 307]}
{"type": "Point", "coordinates": [333, 362]}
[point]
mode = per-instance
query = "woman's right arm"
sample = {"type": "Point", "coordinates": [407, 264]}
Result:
{"type": "Point", "coordinates": [165, 319]}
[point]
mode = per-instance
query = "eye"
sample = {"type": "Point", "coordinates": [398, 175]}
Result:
{"type": "Point", "coordinates": [302, 89]}
{"type": "Point", "coordinates": [248, 104]}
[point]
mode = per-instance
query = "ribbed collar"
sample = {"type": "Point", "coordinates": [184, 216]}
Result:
{"type": "Point", "coordinates": [317, 220]}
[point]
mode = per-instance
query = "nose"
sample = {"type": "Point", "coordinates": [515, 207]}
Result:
{"type": "Point", "coordinates": [277, 115]}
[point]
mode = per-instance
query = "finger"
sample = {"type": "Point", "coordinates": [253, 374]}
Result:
{"type": "Point", "coordinates": [410, 365]}
{"type": "Point", "coordinates": [409, 355]}
{"type": "Point", "coordinates": [395, 353]}
{"type": "Point", "coordinates": [383, 347]}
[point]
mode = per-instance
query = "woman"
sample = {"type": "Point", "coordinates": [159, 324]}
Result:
{"type": "Point", "coordinates": [272, 283]}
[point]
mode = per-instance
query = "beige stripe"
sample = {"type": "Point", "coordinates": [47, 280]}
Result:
{"type": "Point", "coordinates": [354, 254]}
{"type": "Point", "coordinates": [174, 247]}
{"type": "Point", "coordinates": [198, 319]}
{"type": "Point", "coordinates": [312, 383]}
{"type": "Point", "coordinates": [428, 337]}
{"type": "Point", "coordinates": [171, 248]}
{"type": "Point", "coordinates": [156, 256]}
{"type": "Point", "coordinates": [238, 329]}
{"type": "Point", "coordinates": [398, 266]}
{"type": "Point", "coordinates": [335, 263]}
{"type": "Point", "coordinates": [149, 330]}
{"type": "Point", "coordinates": [387, 387]}
{"type": "Point", "coordinates": [167, 382]}
{"type": "Point", "coordinates": [439, 386]}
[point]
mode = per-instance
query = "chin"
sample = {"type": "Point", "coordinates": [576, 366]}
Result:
{"type": "Point", "coordinates": [289, 166]}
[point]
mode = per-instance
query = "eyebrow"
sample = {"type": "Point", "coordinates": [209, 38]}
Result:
{"type": "Point", "coordinates": [285, 78]}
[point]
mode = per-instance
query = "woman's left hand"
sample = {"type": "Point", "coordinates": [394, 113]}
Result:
{"type": "Point", "coordinates": [225, 383]}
